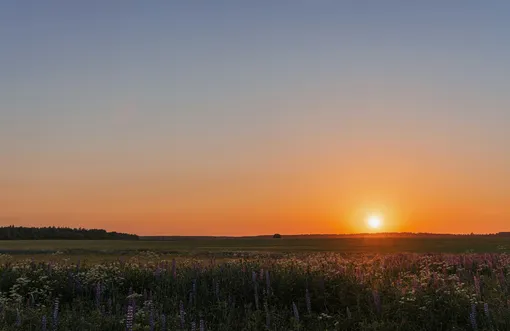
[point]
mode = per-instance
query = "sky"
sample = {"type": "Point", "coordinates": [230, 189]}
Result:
{"type": "Point", "coordinates": [255, 117]}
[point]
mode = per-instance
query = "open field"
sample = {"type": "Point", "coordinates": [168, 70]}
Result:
{"type": "Point", "coordinates": [251, 284]}
{"type": "Point", "coordinates": [206, 246]}
{"type": "Point", "coordinates": [307, 291]}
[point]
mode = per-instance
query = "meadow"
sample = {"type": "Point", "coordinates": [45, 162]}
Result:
{"type": "Point", "coordinates": [229, 246]}
{"type": "Point", "coordinates": [256, 284]}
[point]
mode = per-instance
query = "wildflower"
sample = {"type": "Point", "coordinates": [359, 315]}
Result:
{"type": "Point", "coordinates": [163, 322]}
{"type": "Point", "coordinates": [55, 314]}
{"type": "Point", "coordinates": [43, 323]}
{"type": "Point", "coordinates": [193, 326]}
{"type": "Point", "coordinates": [296, 312]}
{"type": "Point", "coordinates": [129, 318]}
{"type": "Point", "coordinates": [472, 317]}
{"type": "Point", "coordinates": [486, 309]}
{"type": "Point", "coordinates": [202, 325]}
{"type": "Point", "coordinates": [151, 318]}
{"type": "Point", "coordinates": [181, 313]}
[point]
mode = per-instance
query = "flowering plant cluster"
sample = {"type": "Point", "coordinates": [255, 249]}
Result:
{"type": "Point", "coordinates": [319, 291]}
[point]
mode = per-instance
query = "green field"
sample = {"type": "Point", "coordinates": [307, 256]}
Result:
{"type": "Point", "coordinates": [206, 246]}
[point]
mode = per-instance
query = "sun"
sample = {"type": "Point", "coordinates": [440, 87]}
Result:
{"type": "Point", "coordinates": [374, 221]}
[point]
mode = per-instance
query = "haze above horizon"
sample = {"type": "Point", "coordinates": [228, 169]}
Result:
{"type": "Point", "coordinates": [230, 118]}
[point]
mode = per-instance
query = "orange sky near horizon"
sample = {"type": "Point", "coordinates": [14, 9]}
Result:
{"type": "Point", "coordinates": [292, 197]}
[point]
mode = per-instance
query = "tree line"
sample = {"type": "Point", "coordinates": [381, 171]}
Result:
{"type": "Point", "coordinates": [44, 233]}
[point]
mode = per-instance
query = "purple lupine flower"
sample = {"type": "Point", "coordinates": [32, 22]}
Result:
{"type": "Point", "coordinates": [202, 325]}
{"type": "Point", "coordinates": [182, 313]}
{"type": "Point", "coordinates": [377, 300]}
{"type": "Point", "coordinates": [308, 301]}
{"type": "Point", "coordinates": [261, 273]}
{"type": "Point", "coordinates": [472, 317]}
{"type": "Point", "coordinates": [295, 311]}
{"type": "Point", "coordinates": [253, 276]}
{"type": "Point", "coordinates": [43, 323]}
{"type": "Point", "coordinates": [151, 319]}
{"type": "Point", "coordinates": [163, 322]}
{"type": "Point", "coordinates": [174, 268]}
{"type": "Point", "coordinates": [55, 314]}
{"type": "Point", "coordinates": [486, 309]}
{"type": "Point", "coordinates": [193, 326]}
{"type": "Point", "coordinates": [194, 287]}
{"type": "Point", "coordinates": [129, 318]}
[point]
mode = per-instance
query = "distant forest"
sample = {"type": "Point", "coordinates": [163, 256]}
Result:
{"type": "Point", "coordinates": [394, 235]}
{"type": "Point", "coordinates": [333, 236]}
{"type": "Point", "coordinates": [25, 233]}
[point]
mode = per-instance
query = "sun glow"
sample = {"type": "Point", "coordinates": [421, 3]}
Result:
{"type": "Point", "coordinates": [374, 221]}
